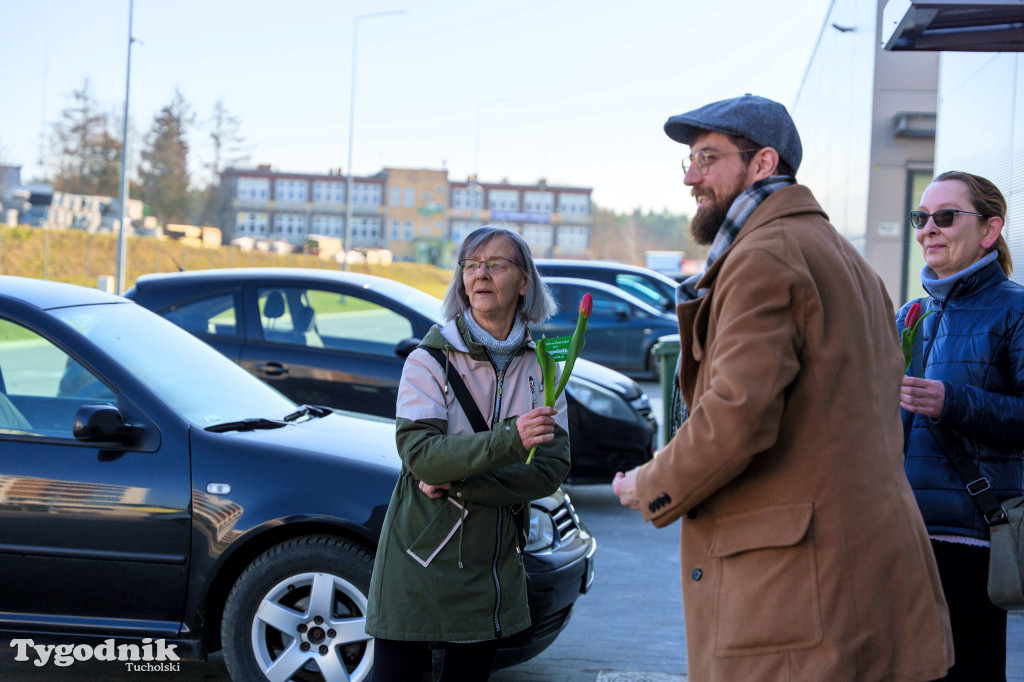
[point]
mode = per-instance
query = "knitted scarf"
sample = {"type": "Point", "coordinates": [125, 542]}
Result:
{"type": "Point", "coordinates": [501, 352]}
{"type": "Point", "coordinates": [740, 210]}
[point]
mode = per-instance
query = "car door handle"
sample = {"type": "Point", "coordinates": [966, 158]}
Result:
{"type": "Point", "coordinates": [274, 369]}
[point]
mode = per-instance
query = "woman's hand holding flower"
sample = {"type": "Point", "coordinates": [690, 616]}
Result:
{"type": "Point", "coordinates": [923, 396]}
{"type": "Point", "coordinates": [537, 426]}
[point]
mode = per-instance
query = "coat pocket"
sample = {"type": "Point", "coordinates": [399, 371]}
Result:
{"type": "Point", "coordinates": [438, 532]}
{"type": "Point", "coordinates": [767, 598]}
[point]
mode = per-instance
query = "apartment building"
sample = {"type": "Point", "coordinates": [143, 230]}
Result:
{"type": "Point", "coordinates": [555, 221]}
{"type": "Point", "coordinates": [418, 214]}
{"type": "Point", "coordinates": [265, 204]}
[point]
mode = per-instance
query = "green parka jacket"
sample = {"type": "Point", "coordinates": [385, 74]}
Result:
{"type": "Point", "coordinates": [450, 569]}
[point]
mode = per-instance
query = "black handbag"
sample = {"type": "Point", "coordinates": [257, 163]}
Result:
{"type": "Point", "coordinates": [1004, 520]}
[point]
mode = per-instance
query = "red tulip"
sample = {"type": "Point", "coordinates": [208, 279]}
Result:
{"type": "Point", "coordinates": [586, 305]}
{"type": "Point", "coordinates": [912, 315]}
{"type": "Point", "coordinates": [910, 324]}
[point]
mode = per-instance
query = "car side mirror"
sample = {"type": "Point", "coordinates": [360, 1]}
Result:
{"type": "Point", "coordinates": [100, 422]}
{"type": "Point", "coordinates": [406, 346]}
{"type": "Point", "coordinates": [620, 311]}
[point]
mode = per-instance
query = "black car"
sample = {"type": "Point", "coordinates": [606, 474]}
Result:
{"type": "Point", "coordinates": [650, 286]}
{"type": "Point", "coordinates": [325, 337]}
{"type": "Point", "coordinates": [622, 330]}
{"type": "Point", "coordinates": [153, 492]}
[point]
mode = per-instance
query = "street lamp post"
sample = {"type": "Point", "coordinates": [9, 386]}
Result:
{"type": "Point", "coordinates": [122, 244]}
{"type": "Point", "coordinates": [346, 245]}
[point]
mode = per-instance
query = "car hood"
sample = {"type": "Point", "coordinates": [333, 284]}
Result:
{"type": "Point", "coordinates": [365, 440]}
{"type": "Point", "coordinates": [609, 378]}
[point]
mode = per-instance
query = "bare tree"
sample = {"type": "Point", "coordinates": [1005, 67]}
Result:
{"type": "Point", "coordinates": [229, 149]}
{"type": "Point", "coordinates": [85, 151]}
{"type": "Point", "coordinates": [229, 146]}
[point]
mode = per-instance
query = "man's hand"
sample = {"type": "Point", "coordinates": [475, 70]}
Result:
{"type": "Point", "coordinates": [536, 426]}
{"type": "Point", "coordinates": [624, 486]}
{"type": "Point", "coordinates": [435, 491]}
{"type": "Point", "coordinates": [923, 396]}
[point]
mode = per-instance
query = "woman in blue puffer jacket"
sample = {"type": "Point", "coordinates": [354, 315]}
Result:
{"type": "Point", "coordinates": [971, 348]}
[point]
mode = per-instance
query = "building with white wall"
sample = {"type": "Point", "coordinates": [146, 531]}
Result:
{"type": "Point", "coordinates": [980, 108]}
{"type": "Point", "coordinates": [867, 122]}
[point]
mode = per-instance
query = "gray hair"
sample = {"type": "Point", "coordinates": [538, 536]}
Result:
{"type": "Point", "coordinates": [536, 306]}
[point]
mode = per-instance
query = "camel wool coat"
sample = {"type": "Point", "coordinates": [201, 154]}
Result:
{"type": "Point", "coordinates": [804, 555]}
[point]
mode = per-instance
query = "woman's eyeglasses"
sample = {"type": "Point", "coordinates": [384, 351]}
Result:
{"type": "Point", "coordinates": [495, 266]}
{"type": "Point", "coordinates": [941, 218]}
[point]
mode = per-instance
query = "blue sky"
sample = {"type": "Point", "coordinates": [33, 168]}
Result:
{"type": "Point", "coordinates": [574, 91]}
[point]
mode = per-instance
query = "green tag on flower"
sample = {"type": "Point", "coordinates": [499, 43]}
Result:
{"type": "Point", "coordinates": [558, 347]}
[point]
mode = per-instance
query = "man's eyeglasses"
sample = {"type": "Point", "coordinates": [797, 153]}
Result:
{"type": "Point", "coordinates": [495, 266]}
{"type": "Point", "coordinates": [942, 218]}
{"type": "Point", "coordinates": [704, 159]}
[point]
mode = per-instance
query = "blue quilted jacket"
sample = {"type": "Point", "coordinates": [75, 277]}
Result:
{"type": "Point", "coordinates": [974, 343]}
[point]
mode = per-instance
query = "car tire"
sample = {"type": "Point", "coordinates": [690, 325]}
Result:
{"type": "Point", "coordinates": [301, 605]}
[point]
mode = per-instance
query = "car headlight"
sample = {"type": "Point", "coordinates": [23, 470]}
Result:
{"type": "Point", "coordinates": [542, 531]}
{"type": "Point", "coordinates": [600, 400]}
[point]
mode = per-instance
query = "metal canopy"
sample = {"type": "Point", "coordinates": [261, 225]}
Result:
{"type": "Point", "coordinates": [954, 25]}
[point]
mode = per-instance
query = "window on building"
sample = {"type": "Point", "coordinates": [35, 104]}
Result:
{"type": "Point", "coordinates": [253, 188]}
{"type": "Point", "coordinates": [396, 196]}
{"type": "Point", "coordinates": [540, 202]}
{"type": "Point", "coordinates": [410, 196]}
{"type": "Point", "coordinates": [572, 239]}
{"type": "Point", "coordinates": [290, 190]}
{"type": "Point", "coordinates": [325, 192]}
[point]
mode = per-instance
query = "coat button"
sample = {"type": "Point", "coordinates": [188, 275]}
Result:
{"type": "Point", "coordinates": [697, 574]}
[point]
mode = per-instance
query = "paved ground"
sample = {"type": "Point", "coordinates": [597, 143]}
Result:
{"type": "Point", "coordinates": [629, 628]}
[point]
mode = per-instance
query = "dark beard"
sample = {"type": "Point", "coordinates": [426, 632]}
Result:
{"type": "Point", "coordinates": [704, 226]}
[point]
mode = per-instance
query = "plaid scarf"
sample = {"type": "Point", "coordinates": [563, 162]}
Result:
{"type": "Point", "coordinates": [740, 210]}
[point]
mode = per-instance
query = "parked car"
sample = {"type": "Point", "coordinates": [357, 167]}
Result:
{"type": "Point", "coordinates": [324, 337]}
{"type": "Point", "coordinates": [150, 488]}
{"type": "Point", "coordinates": [622, 329]}
{"type": "Point", "coordinates": [653, 288]}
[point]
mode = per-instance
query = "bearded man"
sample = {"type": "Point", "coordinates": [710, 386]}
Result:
{"type": "Point", "coordinates": [803, 553]}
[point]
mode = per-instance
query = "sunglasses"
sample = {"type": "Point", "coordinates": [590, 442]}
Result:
{"type": "Point", "coordinates": [943, 218]}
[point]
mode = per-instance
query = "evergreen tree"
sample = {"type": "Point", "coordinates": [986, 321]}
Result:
{"type": "Point", "coordinates": [163, 171]}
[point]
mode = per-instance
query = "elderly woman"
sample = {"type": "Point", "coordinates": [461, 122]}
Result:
{"type": "Point", "coordinates": [449, 566]}
{"type": "Point", "coordinates": [966, 380]}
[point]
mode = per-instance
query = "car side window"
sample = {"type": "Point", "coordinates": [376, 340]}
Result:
{"type": "Point", "coordinates": [41, 386]}
{"type": "Point", "coordinates": [641, 288]}
{"type": "Point", "coordinates": [215, 315]}
{"type": "Point", "coordinates": [606, 306]}
{"type": "Point", "coordinates": [286, 316]}
{"type": "Point", "coordinates": [330, 319]}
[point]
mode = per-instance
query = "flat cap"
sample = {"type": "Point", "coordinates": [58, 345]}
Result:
{"type": "Point", "coordinates": [762, 120]}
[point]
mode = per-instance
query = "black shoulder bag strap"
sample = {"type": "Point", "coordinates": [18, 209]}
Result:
{"type": "Point", "coordinates": [978, 487]}
{"type": "Point", "coordinates": [462, 394]}
{"type": "Point", "coordinates": [520, 512]}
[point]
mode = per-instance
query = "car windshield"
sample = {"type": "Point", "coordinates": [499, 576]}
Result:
{"type": "Point", "coordinates": [192, 378]}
